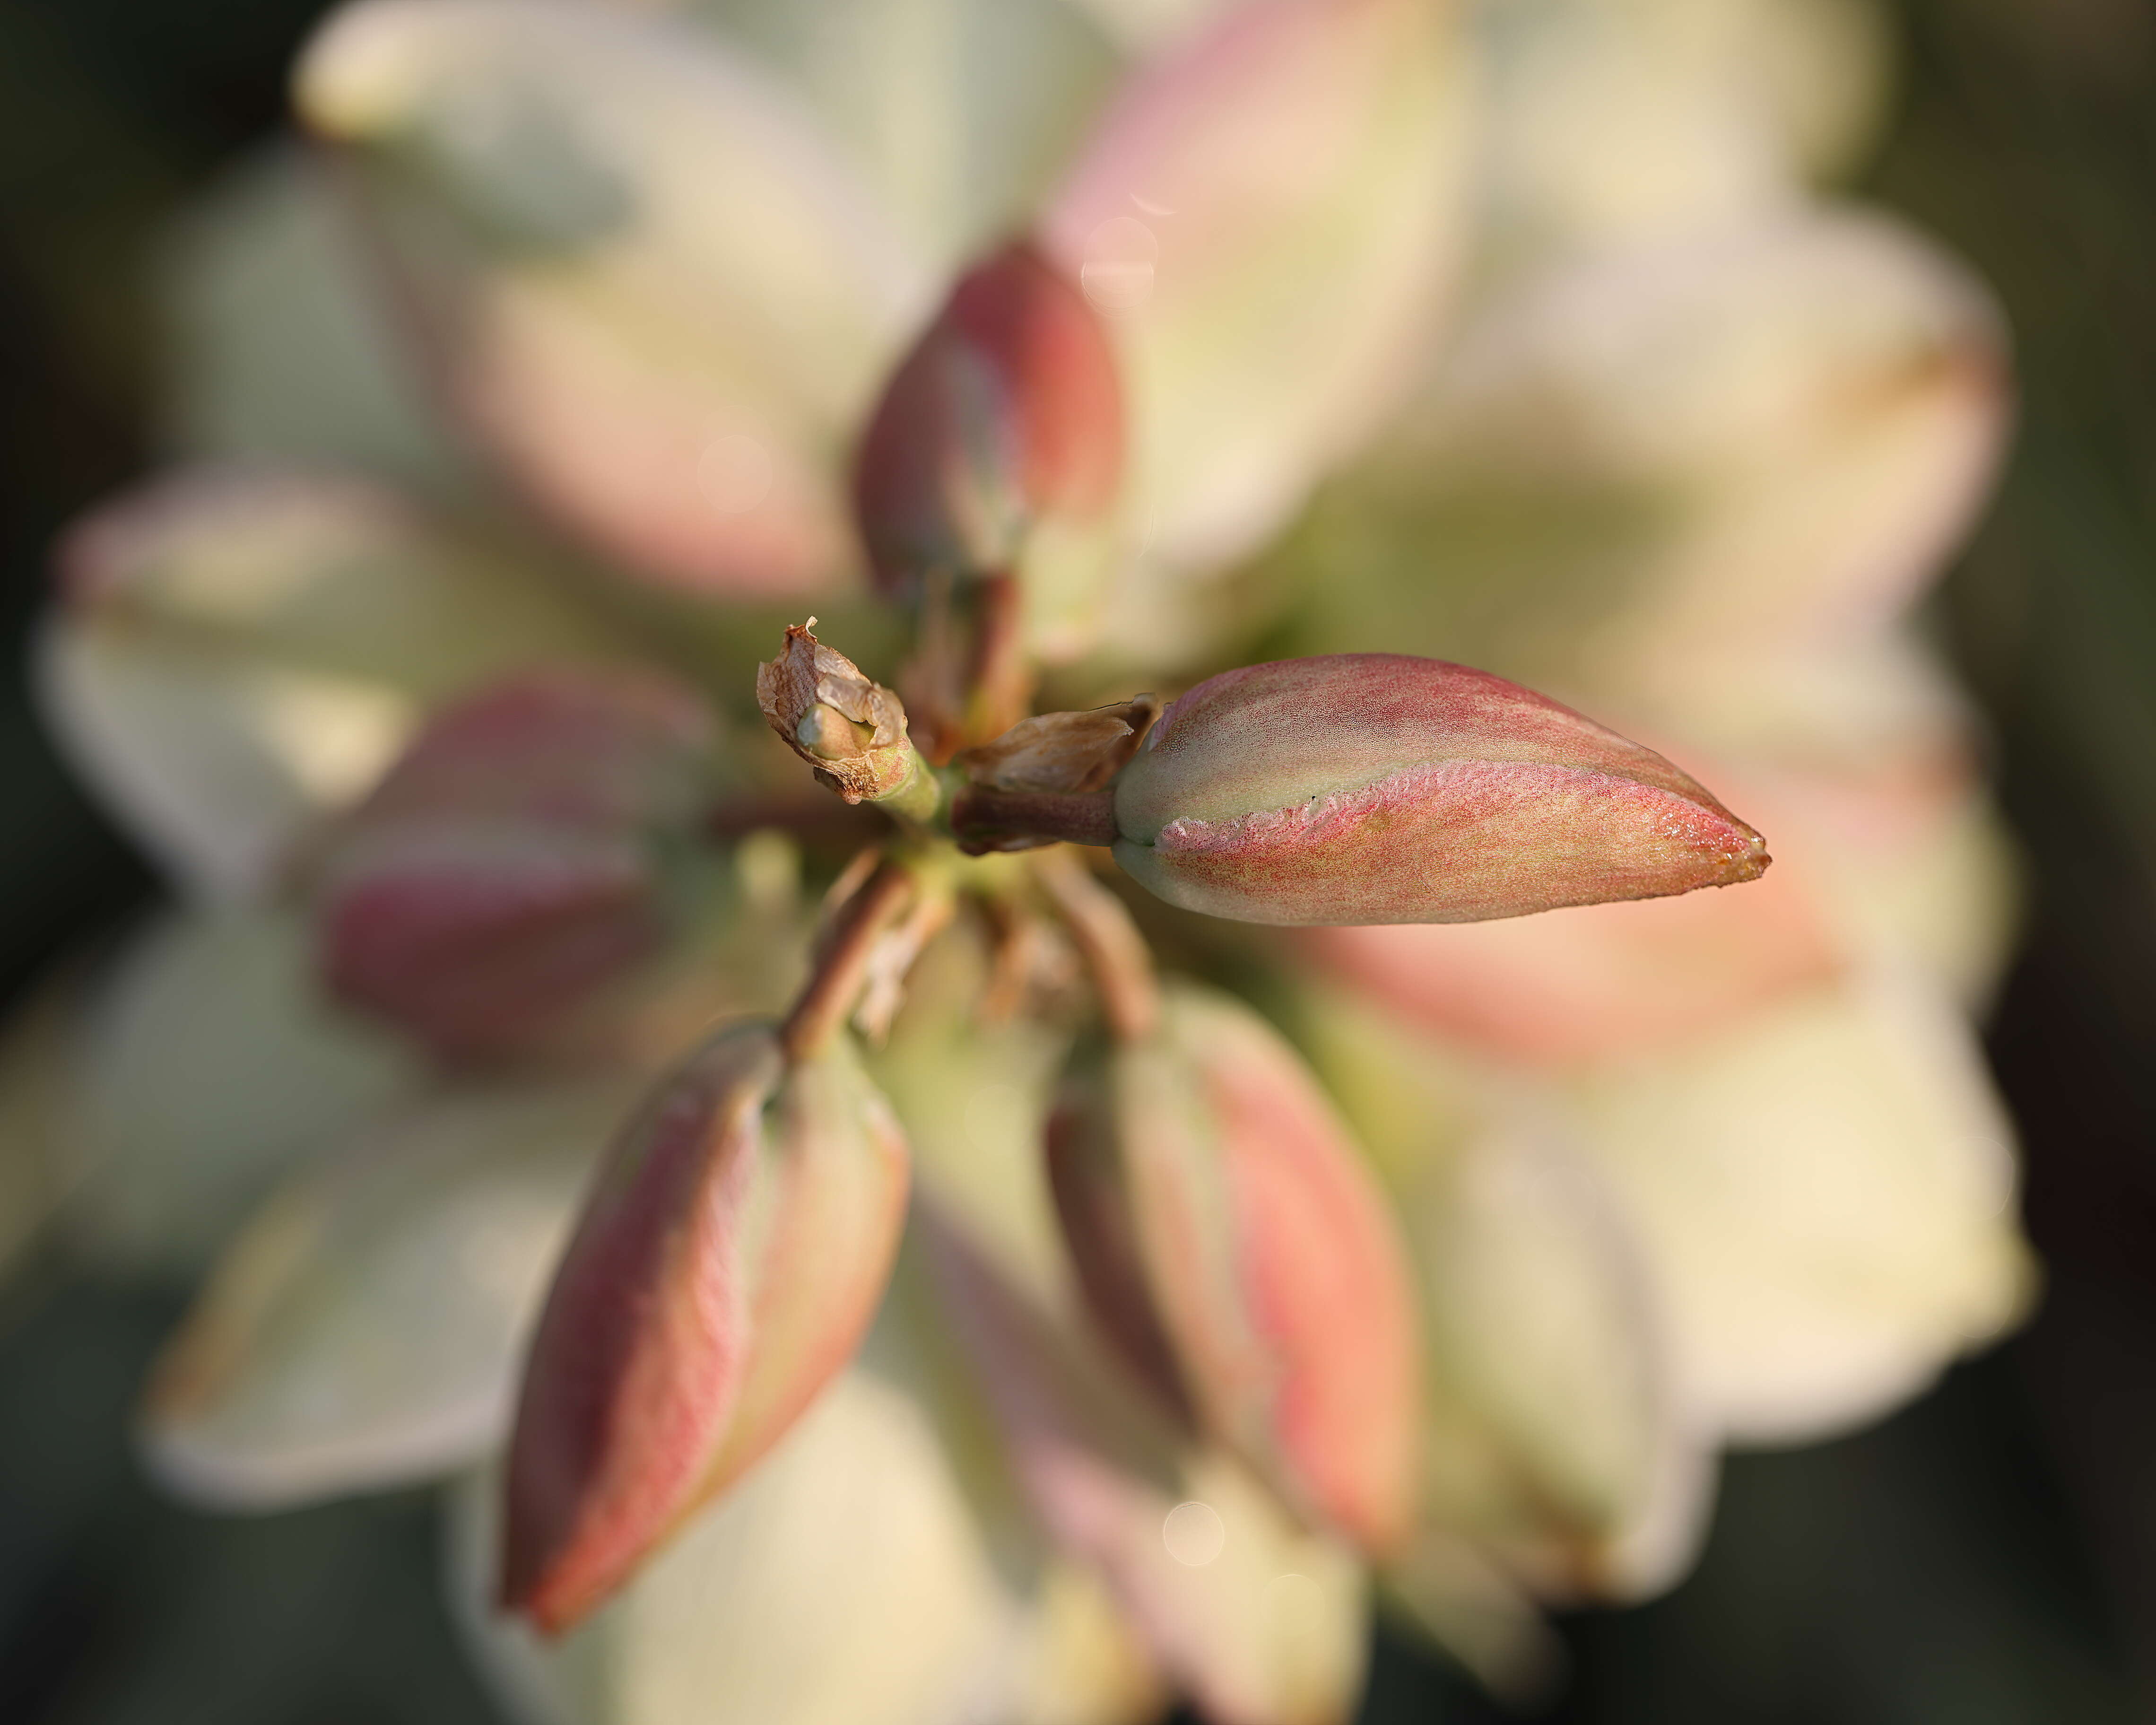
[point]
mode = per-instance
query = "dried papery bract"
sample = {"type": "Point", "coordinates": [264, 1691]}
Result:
{"type": "Point", "coordinates": [1232, 1243]}
{"type": "Point", "coordinates": [726, 1264]}
{"type": "Point", "coordinates": [1378, 787]}
{"type": "Point", "coordinates": [850, 729]}
{"type": "Point", "coordinates": [1046, 778]}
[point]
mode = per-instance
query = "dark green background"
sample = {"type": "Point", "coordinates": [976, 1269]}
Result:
{"type": "Point", "coordinates": [1988, 1558]}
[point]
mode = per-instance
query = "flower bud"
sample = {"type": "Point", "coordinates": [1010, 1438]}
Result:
{"type": "Point", "coordinates": [1205, 1165]}
{"type": "Point", "coordinates": [850, 730]}
{"type": "Point", "coordinates": [998, 446]}
{"type": "Point", "coordinates": [510, 864]}
{"type": "Point", "coordinates": [1367, 788]}
{"type": "Point", "coordinates": [730, 1257]}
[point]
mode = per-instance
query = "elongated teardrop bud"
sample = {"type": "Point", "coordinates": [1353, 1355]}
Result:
{"type": "Point", "coordinates": [1366, 788]}
{"type": "Point", "coordinates": [1234, 1246]}
{"type": "Point", "coordinates": [727, 1262]}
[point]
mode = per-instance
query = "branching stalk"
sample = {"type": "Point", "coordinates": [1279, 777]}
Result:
{"type": "Point", "coordinates": [843, 959]}
{"type": "Point", "coordinates": [1115, 951]}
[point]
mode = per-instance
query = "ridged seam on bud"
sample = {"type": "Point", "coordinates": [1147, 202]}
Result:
{"type": "Point", "coordinates": [727, 1262]}
{"type": "Point", "coordinates": [1378, 787]}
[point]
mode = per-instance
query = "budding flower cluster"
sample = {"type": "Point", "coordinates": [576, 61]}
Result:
{"type": "Point", "coordinates": [1225, 1231]}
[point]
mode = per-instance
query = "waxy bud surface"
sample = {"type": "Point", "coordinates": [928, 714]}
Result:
{"type": "Point", "coordinates": [1369, 788]}
{"type": "Point", "coordinates": [727, 1263]}
{"type": "Point", "coordinates": [1272, 1284]}
{"type": "Point", "coordinates": [1006, 413]}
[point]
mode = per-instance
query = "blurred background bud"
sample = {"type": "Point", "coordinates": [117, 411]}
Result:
{"type": "Point", "coordinates": [514, 863]}
{"type": "Point", "coordinates": [1269, 213]}
{"type": "Point", "coordinates": [658, 297]}
{"type": "Point", "coordinates": [1814, 397]}
{"type": "Point", "coordinates": [997, 448]}
{"type": "Point", "coordinates": [363, 1329]}
{"type": "Point", "coordinates": [191, 1071]}
{"type": "Point", "coordinates": [1611, 121]}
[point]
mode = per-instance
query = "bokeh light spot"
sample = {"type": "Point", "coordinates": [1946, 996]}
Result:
{"type": "Point", "coordinates": [1193, 1533]}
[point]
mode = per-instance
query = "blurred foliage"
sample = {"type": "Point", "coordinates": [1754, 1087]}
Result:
{"type": "Point", "coordinates": [1989, 1555]}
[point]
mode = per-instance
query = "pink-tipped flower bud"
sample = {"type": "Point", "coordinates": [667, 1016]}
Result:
{"type": "Point", "coordinates": [511, 865]}
{"type": "Point", "coordinates": [1232, 1243]}
{"type": "Point", "coordinates": [1004, 421]}
{"type": "Point", "coordinates": [1367, 788]}
{"type": "Point", "coordinates": [728, 1260]}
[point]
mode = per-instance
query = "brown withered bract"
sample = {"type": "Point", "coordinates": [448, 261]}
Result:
{"type": "Point", "coordinates": [1063, 752]}
{"type": "Point", "coordinates": [848, 727]}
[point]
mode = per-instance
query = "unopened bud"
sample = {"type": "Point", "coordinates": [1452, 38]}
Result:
{"type": "Point", "coordinates": [1367, 788]}
{"type": "Point", "coordinates": [998, 446]}
{"type": "Point", "coordinates": [1233, 1245]}
{"type": "Point", "coordinates": [850, 729]}
{"type": "Point", "coordinates": [511, 864]}
{"type": "Point", "coordinates": [728, 1260]}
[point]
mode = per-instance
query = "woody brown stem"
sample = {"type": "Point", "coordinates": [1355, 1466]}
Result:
{"type": "Point", "coordinates": [1115, 951]}
{"type": "Point", "coordinates": [843, 960]}
{"type": "Point", "coordinates": [984, 819]}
